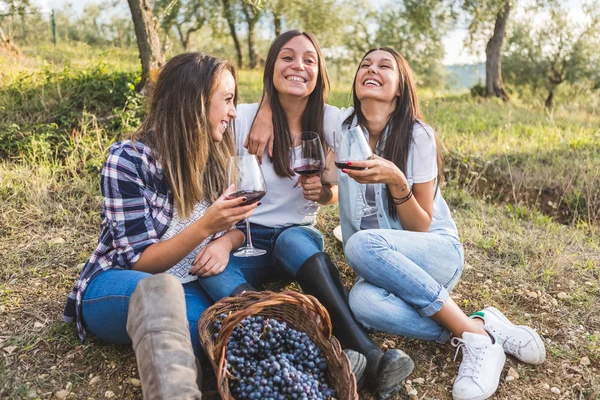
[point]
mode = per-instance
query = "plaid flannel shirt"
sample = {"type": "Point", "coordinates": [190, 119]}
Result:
{"type": "Point", "coordinates": [137, 210]}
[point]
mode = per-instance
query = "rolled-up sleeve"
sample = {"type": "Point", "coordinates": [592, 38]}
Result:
{"type": "Point", "coordinates": [126, 207]}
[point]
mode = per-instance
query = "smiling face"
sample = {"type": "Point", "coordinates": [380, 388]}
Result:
{"type": "Point", "coordinates": [377, 77]}
{"type": "Point", "coordinates": [297, 68]}
{"type": "Point", "coordinates": [222, 106]}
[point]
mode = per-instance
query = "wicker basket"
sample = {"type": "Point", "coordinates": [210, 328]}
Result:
{"type": "Point", "coordinates": [301, 312]}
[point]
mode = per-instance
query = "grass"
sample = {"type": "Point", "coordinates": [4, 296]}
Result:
{"type": "Point", "coordinates": [538, 266]}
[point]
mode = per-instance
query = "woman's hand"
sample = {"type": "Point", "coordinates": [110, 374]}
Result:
{"type": "Point", "coordinates": [379, 170]}
{"type": "Point", "coordinates": [213, 258]}
{"type": "Point", "coordinates": [311, 187]}
{"type": "Point", "coordinates": [223, 213]}
{"type": "Point", "coordinates": [261, 133]}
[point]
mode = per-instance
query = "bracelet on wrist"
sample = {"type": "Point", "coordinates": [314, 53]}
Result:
{"type": "Point", "coordinates": [403, 197]}
{"type": "Point", "coordinates": [401, 200]}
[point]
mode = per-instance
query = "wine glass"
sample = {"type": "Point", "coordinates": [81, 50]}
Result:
{"type": "Point", "coordinates": [351, 145]}
{"type": "Point", "coordinates": [245, 173]}
{"type": "Point", "coordinates": [307, 159]}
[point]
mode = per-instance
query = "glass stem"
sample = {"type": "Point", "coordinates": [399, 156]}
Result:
{"type": "Point", "coordinates": [248, 235]}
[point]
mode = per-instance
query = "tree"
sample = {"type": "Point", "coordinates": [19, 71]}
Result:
{"type": "Point", "coordinates": [414, 28]}
{"type": "Point", "coordinates": [324, 18]}
{"type": "Point", "coordinates": [486, 16]}
{"type": "Point", "coordinates": [251, 14]}
{"type": "Point", "coordinates": [12, 7]}
{"type": "Point", "coordinates": [151, 54]}
{"type": "Point", "coordinates": [230, 14]}
{"type": "Point", "coordinates": [185, 17]}
{"type": "Point", "coordinates": [560, 50]}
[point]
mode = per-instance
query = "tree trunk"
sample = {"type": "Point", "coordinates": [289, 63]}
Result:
{"type": "Point", "coordinates": [6, 42]}
{"type": "Point", "coordinates": [251, 47]}
{"type": "Point", "coordinates": [493, 56]}
{"type": "Point", "coordinates": [277, 24]}
{"type": "Point", "coordinates": [252, 15]}
{"type": "Point", "coordinates": [120, 34]}
{"type": "Point", "coordinates": [146, 34]}
{"type": "Point", "coordinates": [229, 16]}
{"type": "Point", "coordinates": [548, 102]}
{"type": "Point", "coordinates": [184, 39]}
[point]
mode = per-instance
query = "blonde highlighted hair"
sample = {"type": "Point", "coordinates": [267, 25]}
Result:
{"type": "Point", "coordinates": [178, 131]}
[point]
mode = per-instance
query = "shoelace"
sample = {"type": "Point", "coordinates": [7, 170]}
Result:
{"type": "Point", "coordinates": [469, 359]}
{"type": "Point", "coordinates": [511, 345]}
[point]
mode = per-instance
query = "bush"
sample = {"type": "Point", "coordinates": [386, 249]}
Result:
{"type": "Point", "coordinates": [61, 96]}
{"type": "Point", "coordinates": [49, 108]}
{"type": "Point", "coordinates": [478, 90]}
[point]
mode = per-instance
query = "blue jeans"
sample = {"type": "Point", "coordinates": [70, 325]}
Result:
{"type": "Point", "coordinates": [105, 305]}
{"type": "Point", "coordinates": [404, 278]}
{"type": "Point", "coordinates": [287, 249]}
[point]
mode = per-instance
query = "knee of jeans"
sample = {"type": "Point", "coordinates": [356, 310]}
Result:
{"type": "Point", "coordinates": [357, 247]}
{"type": "Point", "coordinates": [300, 235]}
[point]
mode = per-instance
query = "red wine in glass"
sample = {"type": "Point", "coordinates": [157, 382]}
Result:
{"type": "Point", "coordinates": [252, 195]}
{"type": "Point", "coordinates": [247, 177]}
{"type": "Point", "coordinates": [307, 159]}
{"type": "Point", "coordinates": [344, 165]}
{"type": "Point", "coordinates": [351, 145]}
{"type": "Point", "coordinates": [308, 170]}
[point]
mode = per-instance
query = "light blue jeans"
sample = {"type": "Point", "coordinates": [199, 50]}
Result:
{"type": "Point", "coordinates": [404, 278]}
{"type": "Point", "coordinates": [287, 249]}
{"type": "Point", "coordinates": [105, 305]}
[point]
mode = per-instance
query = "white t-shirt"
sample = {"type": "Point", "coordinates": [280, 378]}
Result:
{"type": "Point", "coordinates": [424, 166]}
{"type": "Point", "coordinates": [279, 206]}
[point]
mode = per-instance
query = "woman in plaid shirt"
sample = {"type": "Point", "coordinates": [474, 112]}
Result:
{"type": "Point", "coordinates": [161, 207]}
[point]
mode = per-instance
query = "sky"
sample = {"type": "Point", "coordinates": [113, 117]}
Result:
{"type": "Point", "coordinates": [453, 40]}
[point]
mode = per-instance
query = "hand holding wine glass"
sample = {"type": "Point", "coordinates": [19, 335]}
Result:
{"type": "Point", "coordinates": [311, 187]}
{"type": "Point", "coordinates": [307, 159]}
{"type": "Point", "coordinates": [351, 146]}
{"type": "Point", "coordinates": [226, 211]}
{"type": "Point", "coordinates": [247, 177]}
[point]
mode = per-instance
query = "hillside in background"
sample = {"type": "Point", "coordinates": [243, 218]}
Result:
{"type": "Point", "coordinates": [463, 76]}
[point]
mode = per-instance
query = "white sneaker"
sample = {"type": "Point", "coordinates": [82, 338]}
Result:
{"type": "Point", "coordinates": [519, 341]}
{"type": "Point", "coordinates": [480, 368]}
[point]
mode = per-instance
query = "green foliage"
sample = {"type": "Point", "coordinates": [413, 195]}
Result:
{"type": "Point", "coordinates": [414, 28]}
{"type": "Point", "coordinates": [59, 97]}
{"type": "Point", "coordinates": [481, 15]}
{"type": "Point", "coordinates": [185, 17]}
{"type": "Point", "coordinates": [323, 18]}
{"type": "Point", "coordinates": [561, 50]}
{"type": "Point", "coordinates": [44, 113]}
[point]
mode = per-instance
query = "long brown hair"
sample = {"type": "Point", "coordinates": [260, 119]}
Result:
{"type": "Point", "coordinates": [402, 120]}
{"type": "Point", "coordinates": [312, 118]}
{"type": "Point", "coordinates": [178, 131]}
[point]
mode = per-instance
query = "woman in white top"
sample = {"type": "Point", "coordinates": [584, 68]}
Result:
{"type": "Point", "coordinates": [296, 84]}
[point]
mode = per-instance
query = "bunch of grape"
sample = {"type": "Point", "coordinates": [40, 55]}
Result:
{"type": "Point", "coordinates": [268, 360]}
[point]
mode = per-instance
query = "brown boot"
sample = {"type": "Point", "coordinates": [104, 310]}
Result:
{"type": "Point", "coordinates": [158, 327]}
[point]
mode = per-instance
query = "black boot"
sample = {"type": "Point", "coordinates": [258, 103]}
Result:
{"type": "Point", "coordinates": [319, 277]}
{"type": "Point", "coordinates": [244, 287]}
